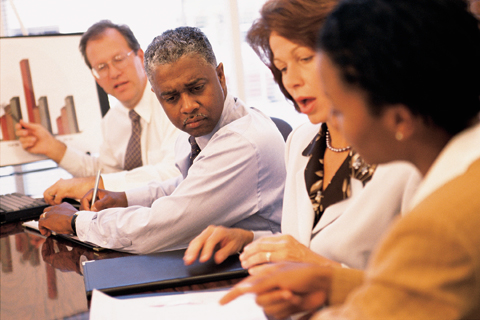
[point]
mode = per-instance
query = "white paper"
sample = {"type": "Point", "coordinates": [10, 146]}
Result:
{"type": "Point", "coordinates": [194, 305]}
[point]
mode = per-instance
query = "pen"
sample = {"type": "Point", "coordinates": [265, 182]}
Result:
{"type": "Point", "coordinates": [95, 189]}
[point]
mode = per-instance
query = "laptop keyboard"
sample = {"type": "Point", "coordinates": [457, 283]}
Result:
{"type": "Point", "coordinates": [17, 206]}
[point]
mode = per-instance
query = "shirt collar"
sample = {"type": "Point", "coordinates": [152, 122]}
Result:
{"type": "Point", "coordinates": [143, 107]}
{"type": "Point", "coordinates": [307, 152]}
{"type": "Point", "coordinates": [455, 158]}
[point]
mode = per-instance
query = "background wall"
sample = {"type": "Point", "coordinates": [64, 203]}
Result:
{"type": "Point", "coordinates": [225, 22]}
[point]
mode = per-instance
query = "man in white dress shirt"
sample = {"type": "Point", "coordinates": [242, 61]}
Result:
{"type": "Point", "coordinates": [116, 60]}
{"type": "Point", "coordinates": [236, 180]}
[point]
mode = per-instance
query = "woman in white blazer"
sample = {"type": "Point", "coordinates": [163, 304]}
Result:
{"type": "Point", "coordinates": [336, 207]}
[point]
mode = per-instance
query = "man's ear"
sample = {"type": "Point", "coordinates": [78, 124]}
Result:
{"type": "Point", "coordinates": [141, 55]}
{"type": "Point", "coordinates": [400, 121]}
{"type": "Point", "coordinates": [221, 78]}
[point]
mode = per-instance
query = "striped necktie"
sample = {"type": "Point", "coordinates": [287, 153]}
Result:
{"type": "Point", "coordinates": [133, 155]}
{"type": "Point", "coordinates": [195, 149]}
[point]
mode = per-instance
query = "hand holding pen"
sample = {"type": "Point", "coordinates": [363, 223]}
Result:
{"type": "Point", "coordinates": [98, 199]}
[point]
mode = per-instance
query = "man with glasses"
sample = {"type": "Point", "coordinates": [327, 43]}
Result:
{"type": "Point", "coordinates": [138, 138]}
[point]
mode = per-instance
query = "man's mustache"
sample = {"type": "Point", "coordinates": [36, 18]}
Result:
{"type": "Point", "coordinates": [193, 118]}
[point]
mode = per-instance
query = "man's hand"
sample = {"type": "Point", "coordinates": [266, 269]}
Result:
{"type": "Point", "coordinates": [280, 248]}
{"type": "Point", "coordinates": [287, 288]}
{"type": "Point", "coordinates": [106, 199]}
{"type": "Point", "coordinates": [226, 240]}
{"type": "Point", "coordinates": [57, 219]}
{"type": "Point", "coordinates": [34, 138]}
{"type": "Point", "coordinates": [74, 188]}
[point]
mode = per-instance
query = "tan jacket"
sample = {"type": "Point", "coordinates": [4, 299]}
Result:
{"type": "Point", "coordinates": [427, 267]}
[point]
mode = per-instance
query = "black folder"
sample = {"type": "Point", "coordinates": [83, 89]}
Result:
{"type": "Point", "coordinates": [141, 273]}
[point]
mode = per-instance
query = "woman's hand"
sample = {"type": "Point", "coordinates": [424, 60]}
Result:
{"type": "Point", "coordinates": [279, 248]}
{"type": "Point", "coordinates": [286, 288]}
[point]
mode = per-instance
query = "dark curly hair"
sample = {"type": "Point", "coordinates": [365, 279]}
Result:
{"type": "Point", "coordinates": [421, 53]}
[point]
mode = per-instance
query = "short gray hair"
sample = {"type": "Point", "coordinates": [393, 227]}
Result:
{"type": "Point", "coordinates": [174, 44]}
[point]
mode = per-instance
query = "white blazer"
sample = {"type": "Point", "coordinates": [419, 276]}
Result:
{"type": "Point", "coordinates": [349, 230]}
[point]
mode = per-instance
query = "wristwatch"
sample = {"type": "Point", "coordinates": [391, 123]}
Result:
{"type": "Point", "coordinates": [72, 223]}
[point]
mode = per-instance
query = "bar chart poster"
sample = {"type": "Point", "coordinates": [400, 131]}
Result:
{"type": "Point", "coordinates": [45, 80]}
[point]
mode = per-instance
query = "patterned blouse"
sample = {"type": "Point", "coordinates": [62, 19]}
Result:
{"type": "Point", "coordinates": [339, 187]}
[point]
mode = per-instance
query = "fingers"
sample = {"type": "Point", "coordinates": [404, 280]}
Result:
{"type": "Point", "coordinates": [26, 125]}
{"type": "Point", "coordinates": [260, 269]}
{"type": "Point", "coordinates": [50, 194]}
{"type": "Point", "coordinates": [279, 303]}
{"type": "Point", "coordinates": [60, 190]}
{"type": "Point", "coordinates": [225, 251]}
{"type": "Point", "coordinates": [219, 236]}
{"type": "Point", "coordinates": [86, 201]}
{"type": "Point", "coordinates": [275, 248]}
{"type": "Point", "coordinates": [265, 244]}
{"type": "Point", "coordinates": [258, 284]}
{"type": "Point", "coordinates": [194, 247]}
{"type": "Point", "coordinates": [258, 258]}
{"type": "Point", "coordinates": [237, 291]}
{"type": "Point", "coordinates": [260, 253]}
{"type": "Point", "coordinates": [26, 141]}
{"type": "Point", "coordinates": [56, 219]}
{"type": "Point", "coordinates": [104, 202]}
{"type": "Point", "coordinates": [41, 223]}
{"type": "Point", "coordinates": [20, 128]}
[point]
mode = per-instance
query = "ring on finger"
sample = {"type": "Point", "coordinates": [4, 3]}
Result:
{"type": "Point", "coordinates": [268, 255]}
{"type": "Point", "coordinates": [44, 215]}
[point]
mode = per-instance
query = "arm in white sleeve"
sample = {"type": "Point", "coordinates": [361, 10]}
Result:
{"type": "Point", "coordinates": [221, 188]}
{"type": "Point", "coordinates": [79, 164]}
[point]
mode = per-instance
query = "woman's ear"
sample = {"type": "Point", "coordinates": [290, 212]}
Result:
{"type": "Point", "coordinates": [400, 121]}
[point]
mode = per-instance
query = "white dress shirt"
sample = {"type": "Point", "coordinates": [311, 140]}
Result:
{"type": "Point", "coordinates": [237, 180]}
{"type": "Point", "coordinates": [157, 141]}
{"type": "Point", "coordinates": [348, 230]}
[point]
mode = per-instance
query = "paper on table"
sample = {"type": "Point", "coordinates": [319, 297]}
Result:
{"type": "Point", "coordinates": [195, 305]}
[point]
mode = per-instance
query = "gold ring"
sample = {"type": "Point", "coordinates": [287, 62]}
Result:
{"type": "Point", "coordinates": [44, 215]}
{"type": "Point", "coordinates": [268, 255]}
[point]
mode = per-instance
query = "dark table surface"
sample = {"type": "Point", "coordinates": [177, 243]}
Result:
{"type": "Point", "coordinates": [41, 278]}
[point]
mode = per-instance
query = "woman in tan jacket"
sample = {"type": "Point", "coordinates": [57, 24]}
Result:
{"type": "Point", "coordinates": [404, 80]}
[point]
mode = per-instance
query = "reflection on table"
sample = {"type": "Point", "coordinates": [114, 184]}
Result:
{"type": "Point", "coordinates": [41, 278]}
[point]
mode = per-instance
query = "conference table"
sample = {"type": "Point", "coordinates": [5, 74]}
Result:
{"type": "Point", "coordinates": [42, 278]}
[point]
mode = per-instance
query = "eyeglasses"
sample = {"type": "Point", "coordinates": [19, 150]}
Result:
{"type": "Point", "coordinates": [119, 62]}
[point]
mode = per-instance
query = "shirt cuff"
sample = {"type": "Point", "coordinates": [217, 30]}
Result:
{"type": "Point", "coordinates": [260, 234]}
{"type": "Point", "coordinates": [82, 224]}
